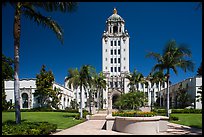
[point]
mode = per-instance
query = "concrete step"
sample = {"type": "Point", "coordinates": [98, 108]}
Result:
{"type": "Point", "coordinates": [98, 117]}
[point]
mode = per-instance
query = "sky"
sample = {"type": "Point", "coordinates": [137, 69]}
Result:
{"type": "Point", "coordinates": [150, 26]}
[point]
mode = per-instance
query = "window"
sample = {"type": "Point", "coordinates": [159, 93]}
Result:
{"type": "Point", "coordinates": [124, 67]}
{"type": "Point", "coordinates": [124, 58]}
{"type": "Point", "coordinates": [111, 43]}
{"type": "Point", "coordinates": [115, 59]}
{"type": "Point", "coordinates": [124, 49]}
{"type": "Point", "coordinates": [106, 68]}
{"type": "Point", "coordinates": [111, 84]}
{"type": "Point", "coordinates": [118, 60]}
{"type": "Point", "coordinates": [111, 69]}
{"type": "Point", "coordinates": [118, 69]}
{"type": "Point", "coordinates": [115, 69]}
{"type": "Point", "coordinates": [106, 59]}
{"type": "Point", "coordinates": [115, 42]}
{"type": "Point", "coordinates": [118, 51]}
{"type": "Point", "coordinates": [111, 60]}
{"type": "Point", "coordinates": [106, 50]}
{"type": "Point", "coordinates": [116, 84]}
{"type": "Point", "coordinates": [115, 52]}
{"type": "Point", "coordinates": [111, 52]}
{"type": "Point", "coordinates": [119, 29]}
{"type": "Point", "coordinates": [118, 42]}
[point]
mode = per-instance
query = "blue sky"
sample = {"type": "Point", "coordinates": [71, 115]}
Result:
{"type": "Point", "coordinates": [150, 26]}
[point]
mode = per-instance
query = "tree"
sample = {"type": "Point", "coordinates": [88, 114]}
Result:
{"type": "Point", "coordinates": [183, 98]}
{"type": "Point", "coordinates": [28, 9]}
{"type": "Point", "coordinates": [159, 77]}
{"type": "Point", "coordinates": [199, 71]}
{"type": "Point", "coordinates": [135, 78]}
{"type": "Point", "coordinates": [100, 85]}
{"type": "Point", "coordinates": [80, 79]}
{"type": "Point", "coordinates": [7, 74]}
{"type": "Point", "coordinates": [131, 100]}
{"type": "Point", "coordinates": [173, 56]}
{"type": "Point", "coordinates": [44, 93]}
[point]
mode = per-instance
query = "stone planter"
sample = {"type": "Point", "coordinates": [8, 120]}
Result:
{"type": "Point", "coordinates": [137, 125]}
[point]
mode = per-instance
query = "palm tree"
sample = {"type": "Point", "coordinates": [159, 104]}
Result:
{"type": "Point", "coordinates": [100, 85]}
{"type": "Point", "coordinates": [159, 78]}
{"type": "Point", "coordinates": [72, 78]}
{"type": "Point", "coordinates": [28, 9]}
{"type": "Point", "coordinates": [80, 79]}
{"type": "Point", "coordinates": [173, 56]}
{"type": "Point", "coordinates": [135, 78]}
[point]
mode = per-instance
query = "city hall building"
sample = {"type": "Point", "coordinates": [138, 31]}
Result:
{"type": "Point", "coordinates": [115, 67]}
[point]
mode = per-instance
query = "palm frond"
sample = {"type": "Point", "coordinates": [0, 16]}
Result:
{"type": "Point", "coordinates": [44, 21]}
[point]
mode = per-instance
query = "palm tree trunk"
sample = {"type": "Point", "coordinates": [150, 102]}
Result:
{"type": "Point", "coordinates": [167, 105]}
{"type": "Point", "coordinates": [160, 96]}
{"type": "Point", "coordinates": [90, 98]}
{"type": "Point", "coordinates": [16, 33]}
{"type": "Point", "coordinates": [81, 111]}
{"type": "Point", "coordinates": [98, 100]}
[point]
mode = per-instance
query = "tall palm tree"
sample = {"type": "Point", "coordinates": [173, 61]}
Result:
{"type": "Point", "coordinates": [159, 78]}
{"type": "Point", "coordinates": [72, 78]}
{"type": "Point", "coordinates": [100, 84]}
{"type": "Point", "coordinates": [28, 9]}
{"type": "Point", "coordinates": [80, 79]}
{"type": "Point", "coordinates": [173, 56]}
{"type": "Point", "coordinates": [135, 78]}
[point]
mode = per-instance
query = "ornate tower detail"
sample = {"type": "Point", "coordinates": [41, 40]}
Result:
{"type": "Point", "coordinates": [115, 53]}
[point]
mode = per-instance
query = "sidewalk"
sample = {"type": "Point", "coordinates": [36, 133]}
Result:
{"type": "Point", "coordinates": [94, 127]}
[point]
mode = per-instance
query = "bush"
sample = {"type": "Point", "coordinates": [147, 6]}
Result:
{"type": "Point", "coordinates": [191, 110]}
{"type": "Point", "coordinates": [173, 118]}
{"type": "Point", "coordinates": [28, 128]}
{"type": "Point", "coordinates": [134, 114]}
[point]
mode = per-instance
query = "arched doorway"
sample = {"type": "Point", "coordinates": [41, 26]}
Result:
{"type": "Point", "coordinates": [24, 100]}
{"type": "Point", "coordinates": [115, 96]}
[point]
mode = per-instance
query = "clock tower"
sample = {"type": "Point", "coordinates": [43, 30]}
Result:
{"type": "Point", "coordinates": [115, 57]}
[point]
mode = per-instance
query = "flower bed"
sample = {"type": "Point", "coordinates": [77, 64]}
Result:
{"type": "Point", "coordinates": [134, 114]}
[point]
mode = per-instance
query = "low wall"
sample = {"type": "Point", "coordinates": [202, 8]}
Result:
{"type": "Point", "coordinates": [137, 125]}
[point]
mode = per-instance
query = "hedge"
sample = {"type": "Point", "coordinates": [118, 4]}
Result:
{"type": "Point", "coordinates": [45, 110]}
{"type": "Point", "coordinates": [28, 128]}
{"type": "Point", "coordinates": [179, 110]}
{"type": "Point", "coordinates": [134, 114]}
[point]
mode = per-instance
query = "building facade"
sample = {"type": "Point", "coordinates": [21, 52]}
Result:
{"type": "Point", "coordinates": [28, 87]}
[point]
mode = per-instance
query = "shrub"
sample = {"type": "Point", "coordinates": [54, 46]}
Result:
{"type": "Point", "coordinates": [134, 114]}
{"type": "Point", "coordinates": [173, 118]}
{"type": "Point", "coordinates": [27, 128]}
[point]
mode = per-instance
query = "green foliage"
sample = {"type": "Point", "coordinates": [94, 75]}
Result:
{"type": "Point", "coordinates": [174, 111]}
{"type": "Point", "coordinates": [134, 114]}
{"type": "Point", "coordinates": [183, 98]}
{"type": "Point", "coordinates": [131, 100]}
{"type": "Point", "coordinates": [80, 79]}
{"type": "Point", "coordinates": [7, 73]}
{"type": "Point", "coordinates": [46, 96]}
{"type": "Point", "coordinates": [173, 118]}
{"type": "Point", "coordinates": [135, 78]}
{"type": "Point", "coordinates": [28, 128]}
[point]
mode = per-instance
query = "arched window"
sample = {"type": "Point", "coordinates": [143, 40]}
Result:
{"type": "Point", "coordinates": [25, 100]}
{"type": "Point", "coordinates": [115, 29]}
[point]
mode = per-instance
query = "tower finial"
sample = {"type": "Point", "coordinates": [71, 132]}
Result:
{"type": "Point", "coordinates": [114, 11]}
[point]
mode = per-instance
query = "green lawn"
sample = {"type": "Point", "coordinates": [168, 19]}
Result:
{"type": "Point", "coordinates": [62, 119]}
{"type": "Point", "coordinates": [192, 120]}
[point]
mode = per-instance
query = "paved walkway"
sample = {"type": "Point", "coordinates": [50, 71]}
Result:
{"type": "Point", "coordinates": [94, 127]}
